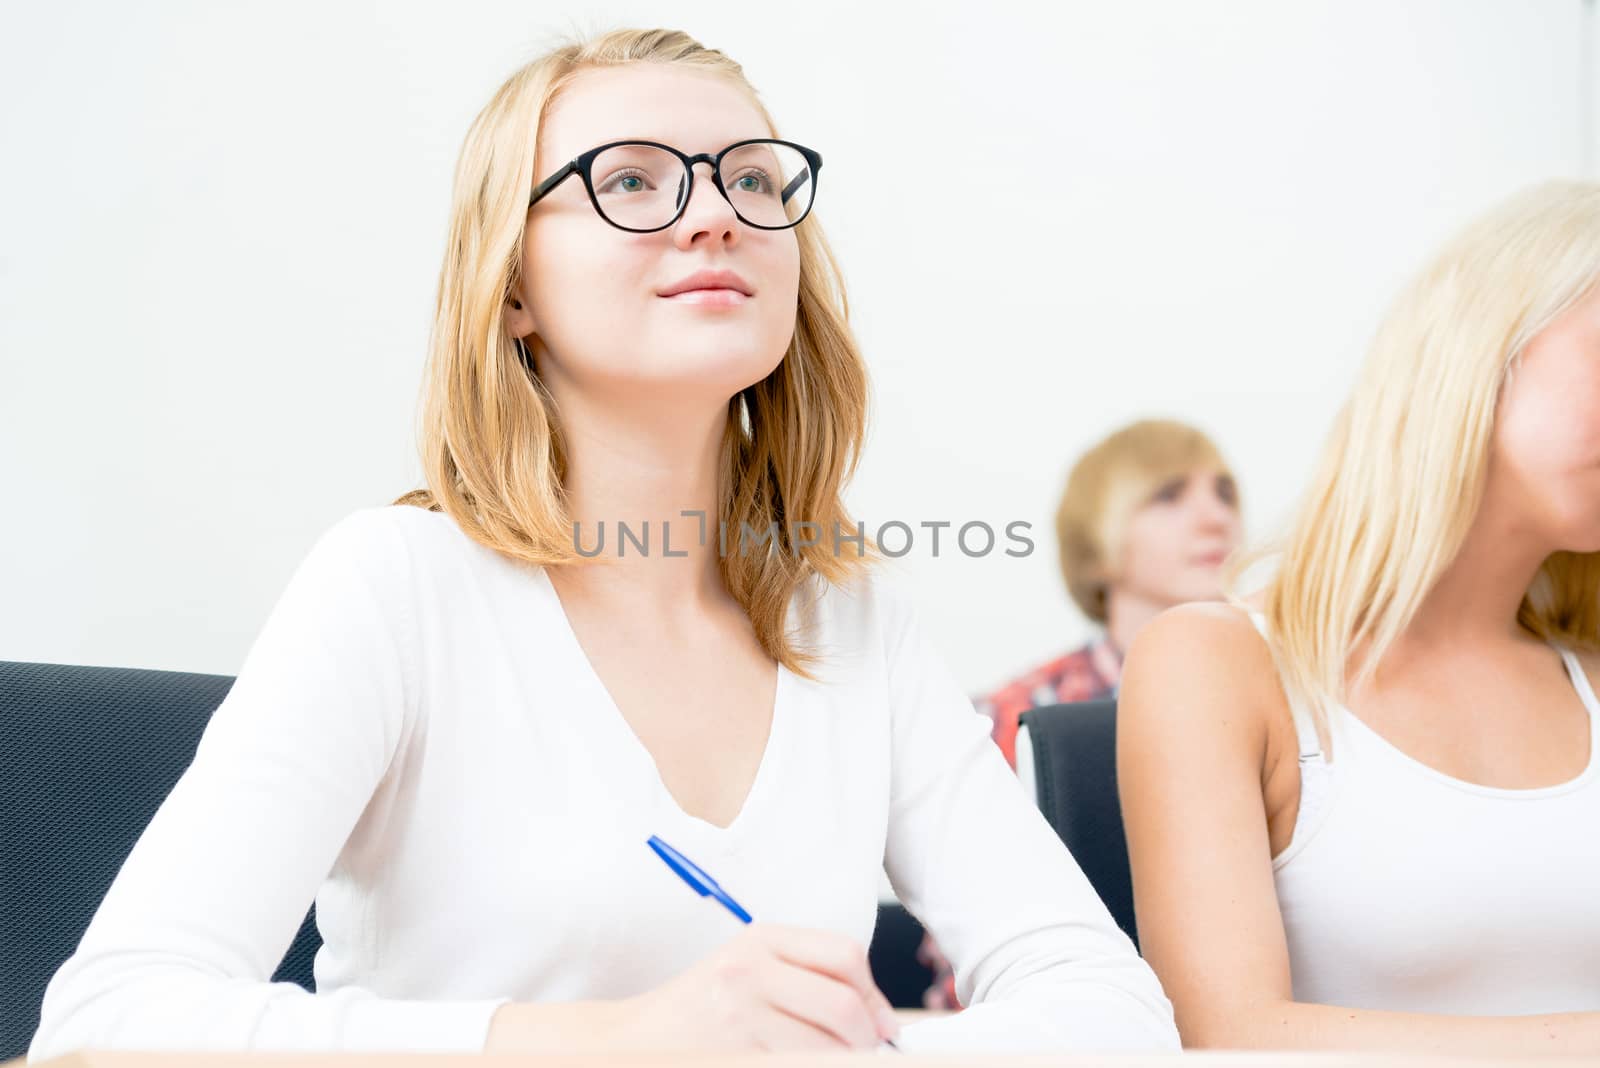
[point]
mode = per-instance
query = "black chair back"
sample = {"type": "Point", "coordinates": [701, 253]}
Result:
{"type": "Point", "coordinates": [892, 956]}
{"type": "Point", "coordinates": [87, 755]}
{"type": "Point", "coordinates": [1075, 768]}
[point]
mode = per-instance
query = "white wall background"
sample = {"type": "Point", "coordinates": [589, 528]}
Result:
{"type": "Point", "coordinates": [220, 226]}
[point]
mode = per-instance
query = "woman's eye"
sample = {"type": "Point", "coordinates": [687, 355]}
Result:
{"type": "Point", "coordinates": [752, 183]}
{"type": "Point", "coordinates": [1170, 491]}
{"type": "Point", "coordinates": [624, 183]}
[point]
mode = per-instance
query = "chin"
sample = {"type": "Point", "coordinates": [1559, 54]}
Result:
{"type": "Point", "coordinates": [1583, 544]}
{"type": "Point", "coordinates": [1577, 534]}
{"type": "Point", "coordinates": [718, 372]}
{"type": "Point", "coordinates": [1201, 591]}
{"type": "Point", "coordinates": [741, 365]}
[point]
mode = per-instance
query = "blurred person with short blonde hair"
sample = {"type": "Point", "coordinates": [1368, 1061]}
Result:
{"type": "Point", "coordinates": [1146, 521]}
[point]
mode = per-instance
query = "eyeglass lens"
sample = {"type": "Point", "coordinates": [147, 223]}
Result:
{"type": "Point", "coordinates": [642, 187]}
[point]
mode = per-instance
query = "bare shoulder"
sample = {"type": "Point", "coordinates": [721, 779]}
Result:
{"type": "Point", "coordinates": [1213, 640]}
{"type": "Point", "coordinates": [1201, 668]}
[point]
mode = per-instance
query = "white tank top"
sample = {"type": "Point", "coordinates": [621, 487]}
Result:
{"type": "Point", "coordinates": [1405, 889]}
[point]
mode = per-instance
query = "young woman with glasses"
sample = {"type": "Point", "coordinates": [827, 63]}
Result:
{"type": "Point", "coordinates": [470, 710]}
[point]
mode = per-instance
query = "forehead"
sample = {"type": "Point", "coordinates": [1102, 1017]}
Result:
{"type": "Point", "coordinates": [693, 111]}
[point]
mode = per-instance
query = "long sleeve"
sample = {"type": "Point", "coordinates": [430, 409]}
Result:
{"type": "Point", "coordinates": [180, 953]}
{"type": "Point", "coordinates": [1037, 956]}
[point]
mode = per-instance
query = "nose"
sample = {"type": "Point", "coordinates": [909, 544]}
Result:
{"type": "Point", "coordinates": [708, 216]}
{"type": "Point", "coordinates": [1212, 514]}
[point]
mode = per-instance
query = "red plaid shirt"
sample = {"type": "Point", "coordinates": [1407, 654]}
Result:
{"type": "Point", "coordinates": [1086, 674]}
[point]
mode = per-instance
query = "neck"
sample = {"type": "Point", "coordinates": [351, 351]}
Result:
{"type": "Point", "coordinates": [1474, 602]}
{"type": "Point", "coordinates": [1127, 613]}
{"type": "Point", "coordinates": [645, 464]}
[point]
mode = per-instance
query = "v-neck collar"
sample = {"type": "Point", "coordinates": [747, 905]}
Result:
{"type": "Point", "coordinates": [616, 725]}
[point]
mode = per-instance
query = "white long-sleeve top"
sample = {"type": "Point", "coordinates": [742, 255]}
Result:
{"type": "Point", "coordinates": [417, 740]}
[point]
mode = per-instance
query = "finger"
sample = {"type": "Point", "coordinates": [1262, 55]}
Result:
{"type": "Point", "coordinates": [776, 1031]}
{"type": "Point", "coordinates": [821, 1001]}
{"type": "Point", "coordinates": [834, 955]}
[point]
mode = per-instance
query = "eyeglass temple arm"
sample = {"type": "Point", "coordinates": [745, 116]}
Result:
{"type": "Point", "coordinates": [554, 180]}
{"type": "Point", "coordinates": [794, 186]}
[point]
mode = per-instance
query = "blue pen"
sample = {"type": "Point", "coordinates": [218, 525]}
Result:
{"type": "Point", "coordinates": [706, 886]}
{"type": "Point", "coordinates": [703, 884]}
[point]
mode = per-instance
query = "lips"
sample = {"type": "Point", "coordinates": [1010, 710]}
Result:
{"type": "Point", "coordinates": [709, 281]}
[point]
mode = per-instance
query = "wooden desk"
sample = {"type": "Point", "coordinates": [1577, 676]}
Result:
{"type": "Point", "coordinates": [454, 1060]}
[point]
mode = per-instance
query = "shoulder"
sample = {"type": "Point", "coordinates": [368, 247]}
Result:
{"type": "Point", "coordinates": [401, 538]}
{"type": "Point", "coordinates": [418, 529]}
{"type": "Point", "coordinates": [384, 527]}
{"type": "Point", "coordinates": [873, 614]}
{"type": "Point", "coordinates": [1201, 636]}
{"type": "Point", "coordinates": [1201, 668]}
{"type": "Point", "coordinates": [398, 555]}
{"type": "Point", "coordinates": [365, 541]}
{"type": "Point", "coordinates": [869, 604]}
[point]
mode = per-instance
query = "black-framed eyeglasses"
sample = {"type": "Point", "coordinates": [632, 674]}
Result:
{"type": "Point", "coordinates": [644, 186]}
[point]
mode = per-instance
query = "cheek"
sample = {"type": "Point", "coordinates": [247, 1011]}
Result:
{"type": "Point", "coordinates": [783, 268]}
{"type": "Point", "coordinates": [1547, 429]}
{"type": "Point", "coordinates": [1233, 528]}
{"type": "Point", "coordinates": [1545, 455]}
{"type": "Point", "coordinates": [1150, 549]}
{"type": "Point", "coordinates": [580, 288]}
{"type": "Point", "coordinates": [1548, 422]}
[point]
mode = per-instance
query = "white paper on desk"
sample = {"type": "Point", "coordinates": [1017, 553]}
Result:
{"type": "Point", "coordinates": [965, 1032]}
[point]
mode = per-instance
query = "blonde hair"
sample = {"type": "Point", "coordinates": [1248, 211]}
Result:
{"type": "Point", "coordinates": [492, 449]}
{"type": "Point", "coordinates": [1106, 486]}
{"type": "Point", "coordinates": [1402, 475]}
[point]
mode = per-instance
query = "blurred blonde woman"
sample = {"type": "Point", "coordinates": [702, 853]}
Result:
{"type": "Point", "coordinates": [471, 709]}
{"type": "Point", "coordinates": [1362, 806]}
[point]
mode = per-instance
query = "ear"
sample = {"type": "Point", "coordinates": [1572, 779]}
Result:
{"type": "Point", "coordinates": [1102, 594]}
{"type": "Point", "coordinates": [519, 320]}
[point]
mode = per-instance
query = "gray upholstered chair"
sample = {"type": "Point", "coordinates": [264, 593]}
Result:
{"type": "Point", "coordinates": [1068, 755]}
{"type": "Point", "coordinates": [87, 755]}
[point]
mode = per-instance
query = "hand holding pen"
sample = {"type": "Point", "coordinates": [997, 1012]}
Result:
{"type": "Point", "coordinates": [774, 987]}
